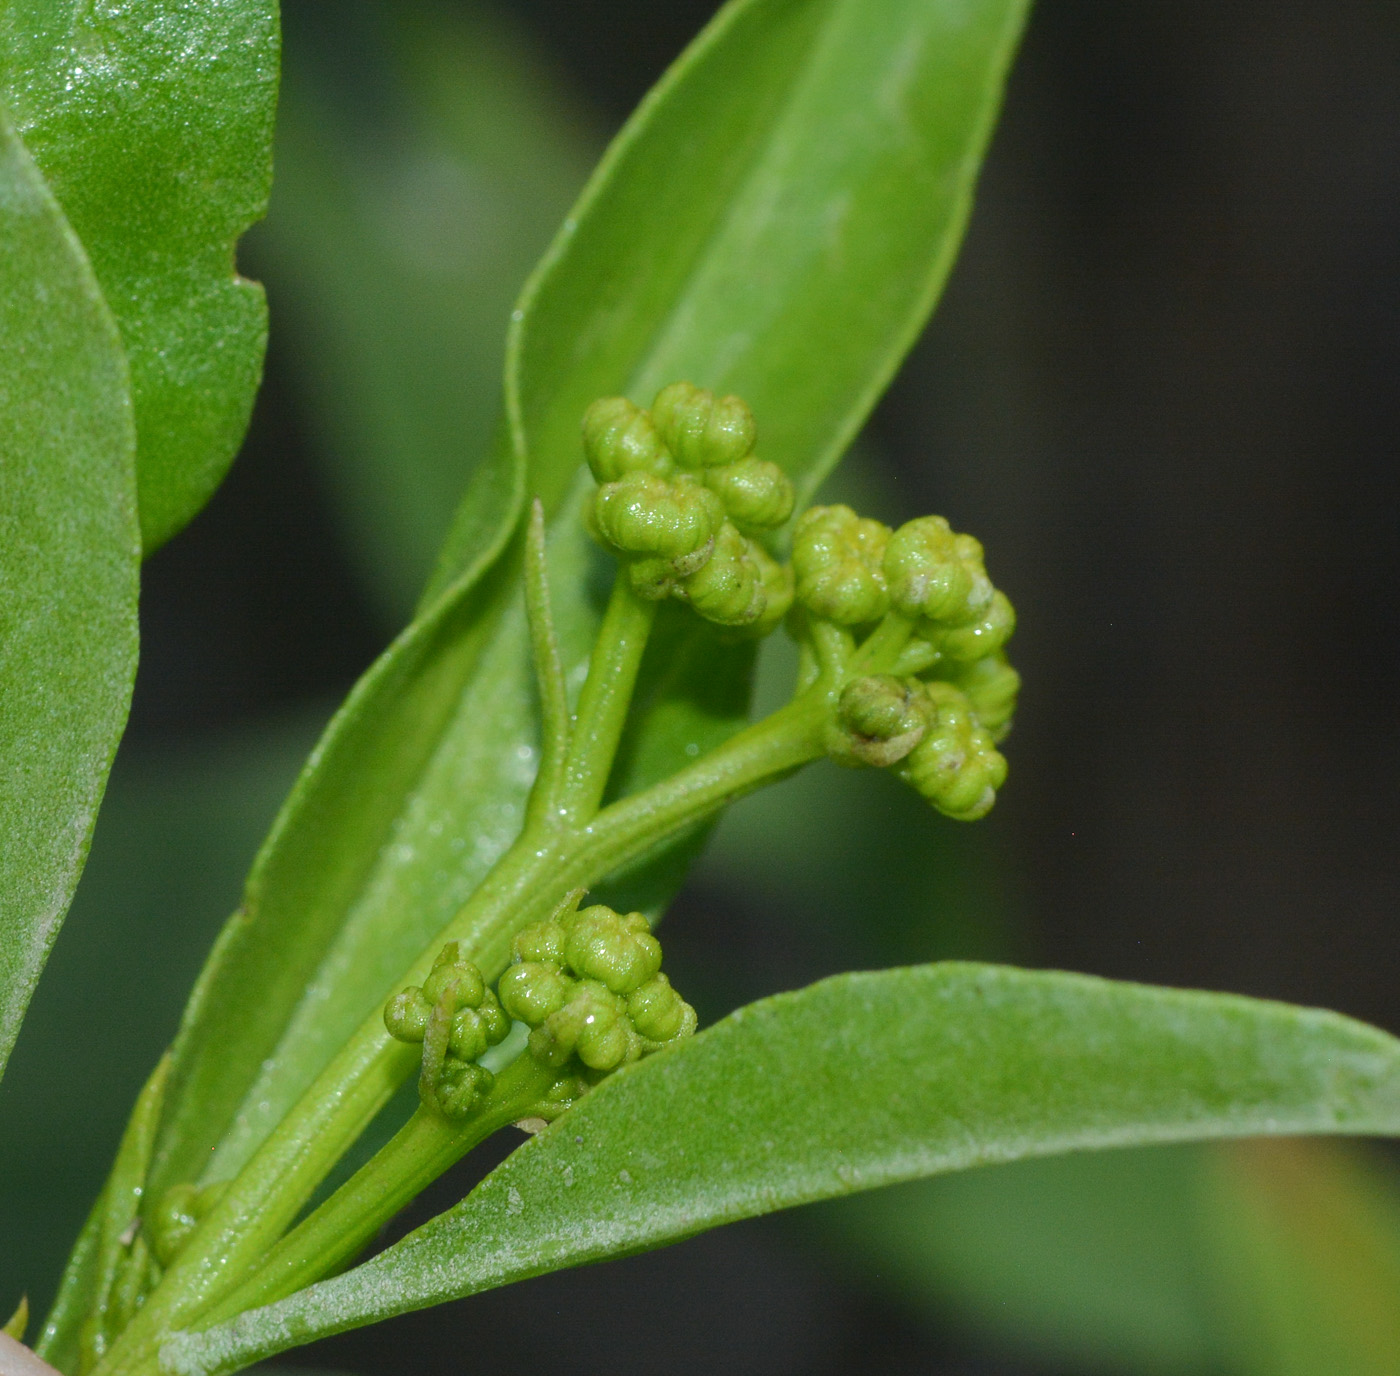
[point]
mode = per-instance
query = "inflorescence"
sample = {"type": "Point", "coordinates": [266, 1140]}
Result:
{"type": "Point", "coordinates": [682, 501]}
{"type": "Point", "coordinates": [588, 985]}
{"type": "Point", "coordinates": [685, 504]}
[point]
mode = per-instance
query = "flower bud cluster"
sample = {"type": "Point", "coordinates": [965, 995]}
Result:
{"type": "Point", "coordinates": [681, 500]}
{"type": "Point", "coordinates": [955, 765]}
{"type": "Point", "coordinates": [589, 985]}
{"type": "Point", "coordinates": [930, 731]}
{"type": "Point", "coordinates": [939, 724]}
{"type": "Point", "coordinates": [852, 571]}
{"type": "Point", "coordinates": [456, 1018]}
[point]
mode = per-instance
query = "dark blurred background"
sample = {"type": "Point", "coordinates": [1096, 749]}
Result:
{"type": "Point", "coordinates": [1161, 388]}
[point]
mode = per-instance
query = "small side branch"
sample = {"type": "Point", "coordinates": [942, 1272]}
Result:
{"type": "Point", "coordinates": [549, 672]}
{"type": "Point", "coordinates": [605, 699]}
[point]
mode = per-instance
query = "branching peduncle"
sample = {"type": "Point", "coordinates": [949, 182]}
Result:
{"type": "Point", "coordinates": [423, 1149]}
{"type": "Point", "coordinates": [901, 667]}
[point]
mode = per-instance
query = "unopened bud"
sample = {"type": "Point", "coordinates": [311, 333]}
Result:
{"type": "Point", "coordinates": [777, 583]}
{"type": "Point", "coordinates": [620, 438]}
{"type": "Point", "coordinates": [700, 429]}
{"type": "Point", "coordinates": [838, 558]}
{"type": "Point", "coordinates": [619, 952]}
{"type": "Point", "coordinates": [645, 515]}
{"type": "Point", "coordinates": [935, 573]}
{"type": "Point", "coordinates": [531, 991]}
{"type": "Point", "coordinates": [658, 1012]}
{"type": "Point", "coordinates": [991, 686]}
{"type": "Point", "coordinates": [956, 766]}
{"type": "Point", "coordinates": [879, 720]}
{"type": "Point", "coordinates": [982, 637]}
{"type": "Point", "coordinates": [728, 590]}
{"type": "Point", "coordinates": [757, 494]}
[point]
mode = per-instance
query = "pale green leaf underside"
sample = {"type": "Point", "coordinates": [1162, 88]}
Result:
{"type": "Point", "coordinates": [861, 1080]}
{"type": "Point", "coordinates": [152, 122]}
{"type": "Point", "coordinates": [69, 554]}
{"type": "Point", "coordinates": [776, 218]}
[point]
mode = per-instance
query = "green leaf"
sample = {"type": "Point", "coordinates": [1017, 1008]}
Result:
{"type": "Point", "coordinates": [859, 1081]}
{"type": "Point", "coordinates": [761, 224]}
{"type": "Point", "coordinates": [776, 220]}
{"type": "Point", "coordinates": [152, 121]}
{"type": "Point", "coordinates": [69, 552]}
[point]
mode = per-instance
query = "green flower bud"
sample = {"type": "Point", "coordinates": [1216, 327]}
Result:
{"type": "Point", "coordinates": [532, 990]}
{"type": "Point", "coordinates": [659, 1013]}
{"type": "Point", "coordinates": [460, 1087]}
{"type": "Point", "coordinates": [776, 582]}
{"type": "Point", "coordinates": [728, 590]}
{"type": "Point", "coordinates": [598, 995]}
{"type": "Point", "coordinates": [467, 1039]}
{"type": "Point", "coordinates": [757, 495]}
{"type": "Point", "coordinates": [956, 766]}
{"type": "Point", "coordinates": [935, 573]}
{"type": "Point", "coordinates": [700, 429]}
{"type": "Point", "coordinates": [470, 1035]}
{"type": "Point", "coordinates": [606, 1043]}
{"type": "Point", "coordinates": [983, 637]}
{"type": "Point", "coordinates": [591, 1021]}
{"type": "Point", "coordinates": [456, 1018]}
{"type": "Point", "coordinates": [618, 952]}
{"type": "Point", "coordinates": [619, 438]}
{"type": "Point", "coordinates": [879, 720]}
{"type": "Point", "coordinates": [672, 520]}
{"type": "Point", "coordinates": [450, 971]}
{"type": "Point", "coordinates": [406, 1015]}
{"type": "Point", "coordinates": [541, 941]}
{"type": "Point", "coordinates": [991, 686]}
{"type": "Point", "coordinates": [838, 557]}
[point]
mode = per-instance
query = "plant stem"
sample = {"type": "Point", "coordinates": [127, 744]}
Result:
{"type": "Point", "coordinates": [605, 700]}
{"type": "Point", "coordinates": [880, 650]}
{"type": "Point", "coordinates": [546, 861]}
{"type": "Point", "coordinates": [549, 675]}
{"type": "Point", "coordinates": [426, 1146]}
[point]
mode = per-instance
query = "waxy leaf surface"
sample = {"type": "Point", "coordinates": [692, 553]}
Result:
{"type": "Point", "coordinates": [69, 558]}
{"type": "Point", "coordinates": [776, 220]}
{"type": "Point", "coordinates": [152, 123]}
{"type": "Point", "coordinates": [861, 1080]}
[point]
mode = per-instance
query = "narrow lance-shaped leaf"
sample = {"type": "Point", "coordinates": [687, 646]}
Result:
{"type": "Point", "coordinates": [152, 122]}
{"type": "Point", "coordinates": [762, 224]}
{"type": "Point", "coordinates": [69, 553]}
{"type": "Point", "coordinates": [859, 1081]}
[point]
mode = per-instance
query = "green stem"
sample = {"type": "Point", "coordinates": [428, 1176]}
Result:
{"type": "Point", "coordinates": [604, 702]}
{"type": "Point", "coordinates": [765, 752]}
{"type": "Point", "coordinates": [917, 656]}
{"type": "Point", "coordinates": [880, 650]}
{"type": "Point", "coordinates": [423, 1149]}
{"type": "Point", "coordinates": [833, 646]}
{"type": "Point", "coordinates": [526, 884]}
{"type": "Point", "coordinates": [549, 675]}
